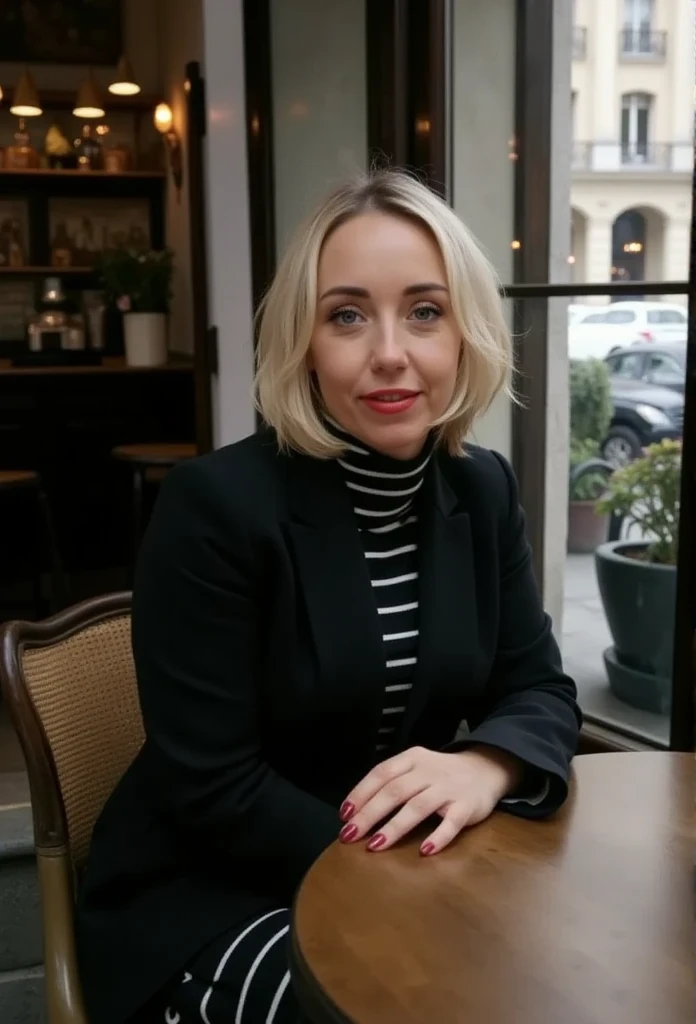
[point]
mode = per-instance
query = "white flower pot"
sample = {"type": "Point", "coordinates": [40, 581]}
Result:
{"type": "Point", "coordinates": [145, 337]}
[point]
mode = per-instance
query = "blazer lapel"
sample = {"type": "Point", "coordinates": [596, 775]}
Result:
{"type": "Point", "coordinates": [448, 616]}
{"type": "Point", "coordinates": [339, 600]}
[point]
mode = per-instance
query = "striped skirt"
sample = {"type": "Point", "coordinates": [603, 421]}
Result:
{"type": "Point", "coordinates": [240, 978]}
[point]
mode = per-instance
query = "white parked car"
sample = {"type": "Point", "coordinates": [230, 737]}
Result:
{"type": "Point", "coordinates": [593, 335]}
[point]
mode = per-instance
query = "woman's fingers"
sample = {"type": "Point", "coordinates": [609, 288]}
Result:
{"type": "Point", "coordinates": [421, 806]}
{"type": "Point", "coordinates": [455, 819]}
{"type": "Point", "coordinates": [374, 781]}
{"type": "Point", "coordinates": [399, 791]}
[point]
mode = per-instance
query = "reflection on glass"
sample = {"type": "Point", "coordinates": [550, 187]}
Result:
{"type": "Point", "coordinates": [626, 389]}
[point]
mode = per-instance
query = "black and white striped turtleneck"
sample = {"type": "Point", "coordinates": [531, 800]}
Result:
{"type": "Point", "coordinates": [384, 492]}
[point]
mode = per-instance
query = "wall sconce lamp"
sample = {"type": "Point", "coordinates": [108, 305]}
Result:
{"type": "Point", "coordinates": [88, 102]}
{"type": "Point", "coordinates": [25, 97]}
{"type": "Point", "coordinates": [164, 124]}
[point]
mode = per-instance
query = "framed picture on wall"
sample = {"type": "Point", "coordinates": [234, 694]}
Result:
{"type": "Point", "coordinates": [14, 242]}
{"type": "Point", "coordinates": [61, 31]}
{"type": "Point", "coordinates": [80, 229]}
{"type": "Point", "coordinates": [16, 306]}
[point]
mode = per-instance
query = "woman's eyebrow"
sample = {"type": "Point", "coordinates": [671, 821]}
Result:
{"type": "Point", "coordinates": [363, 293]}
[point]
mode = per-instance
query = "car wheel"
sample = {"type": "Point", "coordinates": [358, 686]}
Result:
{"type": "Point", "coordinates": [621, 446]}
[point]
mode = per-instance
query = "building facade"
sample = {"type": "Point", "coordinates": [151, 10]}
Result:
{"type": "Point", "coordinates": [633, 128]}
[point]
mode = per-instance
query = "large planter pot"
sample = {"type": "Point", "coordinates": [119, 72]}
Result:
{"type": "Point", "coordinates": [586, 529]}
{"type": "Point", "coordinates": [639, 599]}
{"type": "Point", "coordinates": [145, 338]}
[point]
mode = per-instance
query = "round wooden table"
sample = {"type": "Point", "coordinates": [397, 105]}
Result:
{"type": "Point", "coordinates": [585, 918]}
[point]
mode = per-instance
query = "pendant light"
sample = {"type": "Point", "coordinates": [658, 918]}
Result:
{"type": "Point", "coordinates": [88, 102]}
{"type": "Point", "coordinates": [124, 83]}
{"type": "Point", "coordinates": [25, 97]}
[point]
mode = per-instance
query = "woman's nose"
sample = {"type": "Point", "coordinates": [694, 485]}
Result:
{"type": "Point", "coordinates": [388, 351]}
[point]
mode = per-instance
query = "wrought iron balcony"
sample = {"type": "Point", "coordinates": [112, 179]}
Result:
{"type": "Point", "coordinates": [642, 44]}
{"type": "Point", "coordinates": [579, 42]}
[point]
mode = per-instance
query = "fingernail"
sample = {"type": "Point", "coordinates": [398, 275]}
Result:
{"type": "Point", "coordinates": [427, 848]}
{"type": "Point", "coordinates": [377, 841]}
{"type": "Point", "coordinates": [347, 810]}
{"type": "Point", "coordinates": [347, 833]}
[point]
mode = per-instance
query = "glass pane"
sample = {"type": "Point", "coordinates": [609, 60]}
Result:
{"type": "Point", "coordinates": [483, 150]}
{"type": "Point", "coordinates": [633, 139]}
{"type": "Point", "coordinates": [620, 593]}
{"type": "Point", "coordinates": [318, 75]}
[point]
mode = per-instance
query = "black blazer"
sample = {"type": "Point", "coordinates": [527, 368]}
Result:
{"type": "Point", "coordinates": [261, 675]}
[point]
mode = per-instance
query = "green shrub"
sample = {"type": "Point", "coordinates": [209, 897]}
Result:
{"type": "Point", "coordinates": [646, 492]}
{"type": "Point", "coordinates": [591, 409]}
{"type": "Point", "coordinates": [138, 282]}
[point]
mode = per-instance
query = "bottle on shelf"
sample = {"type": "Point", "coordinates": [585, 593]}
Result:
{"type": "Point", "coordinates": [21, 156]}
{"type": "Point", "coordinates": [88, 150]}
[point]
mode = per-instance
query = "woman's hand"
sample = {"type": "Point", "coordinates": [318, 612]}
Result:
{"type": "Point", "coordinates": [462, 788]}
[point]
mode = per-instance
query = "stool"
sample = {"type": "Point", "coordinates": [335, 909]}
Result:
{"type": "Point", "coordinates": [25, 483]}
{"type": "Point", "coordinates": [149, 464]}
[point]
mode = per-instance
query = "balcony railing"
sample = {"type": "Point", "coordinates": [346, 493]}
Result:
{"type": "Point", "coordinates": [632, 157]}
{"type": "Point", "coordinates": [579, 42]}
{"type": "Point", "coordinates": [642, 44]}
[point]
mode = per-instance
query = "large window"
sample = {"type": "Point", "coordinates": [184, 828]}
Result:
{"type": "Point", "coordinates": [635, 127]}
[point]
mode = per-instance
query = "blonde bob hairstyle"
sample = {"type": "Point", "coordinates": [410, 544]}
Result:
{"type": "Point", "coordinates": [286, 393]}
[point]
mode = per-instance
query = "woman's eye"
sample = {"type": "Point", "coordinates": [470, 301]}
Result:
{"type": "Point", "coordinates": [425, 314]}
{"type": "Point", "coordinates": [345, 317]}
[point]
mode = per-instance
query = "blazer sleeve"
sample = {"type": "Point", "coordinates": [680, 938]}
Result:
{"type": "Point", "coordinates": [530, 707]}
{"type": "Point", "coordinates": [197, 643]}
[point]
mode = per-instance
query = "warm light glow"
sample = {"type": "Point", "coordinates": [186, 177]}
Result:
{"type": "Point", "coordinates": [163, 118]}
{"type": "Point", "coordinates": [633, 247]}
{"type": "Point", "coordinates": [88, 112]}
{"type": "Point", "coordinates": [0, 94]}
{"type": "Point", "coordinates": [515, 244]}
{"type": "Point", "coordinates": [423, 125]}
{"type": "Point", "coordinates": [571, 259]}
{"type": "Point", "coordinates": [22, 110]}
{"type": "Point", "coordinates": [124, 88]}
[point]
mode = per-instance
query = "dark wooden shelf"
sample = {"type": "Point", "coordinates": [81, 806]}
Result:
{"type": "Point", "coordinates": [85, 175]}
{"type": "Point", "coordinates": [110, 365]}
{"type": "Point", "coordinates": [46, 271]}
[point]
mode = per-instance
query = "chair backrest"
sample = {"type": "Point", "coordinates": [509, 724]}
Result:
{"type": "Point", "coordinates": [70, 685]}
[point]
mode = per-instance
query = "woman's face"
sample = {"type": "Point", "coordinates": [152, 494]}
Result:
{"type": "Point", "coordinates": [385, 346]}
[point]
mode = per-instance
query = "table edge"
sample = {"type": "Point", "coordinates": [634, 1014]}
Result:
{"type": "Point", "coordinates": [313, 999]}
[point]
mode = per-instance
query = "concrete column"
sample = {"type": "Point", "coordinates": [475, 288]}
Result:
{"type": "Point", "coordinates": [598, 249]}
{"type": "Point", "coordinates": [681, 50]}
{"type": "Point", "coordinates": [228, 219]}
{"type": "Point", "coordinates": [606, 113]}
{"type": "Point", "coordinates": [675, 257]}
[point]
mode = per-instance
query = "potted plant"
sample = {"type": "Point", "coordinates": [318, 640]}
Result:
{"type": "Point", "coordinates": [590, 416]}
{"type": "Point", "coordinates": [140, 286]}
{"type": "Point", "coordinates": [638, 578]}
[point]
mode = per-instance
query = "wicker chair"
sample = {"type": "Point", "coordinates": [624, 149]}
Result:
{"type": "Point", "coordinates": [69, 683]}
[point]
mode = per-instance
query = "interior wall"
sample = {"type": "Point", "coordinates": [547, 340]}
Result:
{"type": "Point", "coordinates": [142, 26]}
{"type": "Point", "coordinates": [181, 41]}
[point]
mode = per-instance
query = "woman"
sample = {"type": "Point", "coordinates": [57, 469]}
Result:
{"type": "Point", "coordinates": [317, 609]}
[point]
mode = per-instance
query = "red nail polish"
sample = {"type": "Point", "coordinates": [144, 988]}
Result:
{"type": "Point", "coordinates": [347, 833]}
{"type": "Point", "coordinates": [427, 848]}
{"type": "Point", "coordinates": [377, 841]}
{"type": "Point", "coordinates": [347, 810]}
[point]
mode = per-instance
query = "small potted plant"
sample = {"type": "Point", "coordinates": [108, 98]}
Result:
{"type": "Point", "coordinates": [638, 578]}
{"type": "Point", "coordinates": [140, 286]}
{"type": "Point", "coordinates": [590, 416]}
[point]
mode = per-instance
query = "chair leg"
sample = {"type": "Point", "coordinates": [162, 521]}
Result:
{"type": "Point", "coordinates": [59, 596]}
